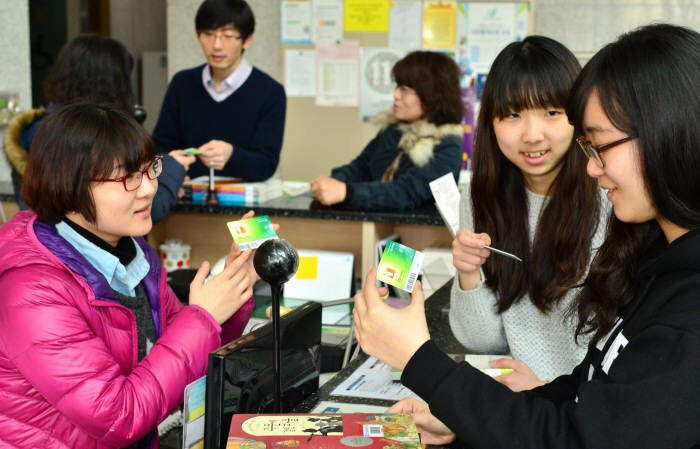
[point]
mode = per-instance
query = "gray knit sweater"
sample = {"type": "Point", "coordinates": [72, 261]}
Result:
{"type": "Point", "coordinates": [544, 341]}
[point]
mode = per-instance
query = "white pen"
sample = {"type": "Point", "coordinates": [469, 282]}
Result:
{"type": "Point", "coordinates": [503, 253]}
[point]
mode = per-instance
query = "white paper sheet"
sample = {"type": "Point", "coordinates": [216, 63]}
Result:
{"type": "Point", "coordinates": [405, 25]}
{"type": "Point", "coordinates": [337, 73]}
{"type": "Point", "coordinates": [296, 22]}
{"type": "Point", "coordinates": [343, 407]}
{"type": "Point", "coordinates": [446, 196]}
{"type": "Point", "coordinates": [300, 73]}
{"type": "Point", "coordinates": [490, 27]}
{"type": "Point", "coordinates": [373, 380]}
{"type": "Point", "coordinates": [328, 19]}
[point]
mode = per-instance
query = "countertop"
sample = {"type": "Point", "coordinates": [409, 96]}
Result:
{"type": "Point", "coordinates": [305, 206]}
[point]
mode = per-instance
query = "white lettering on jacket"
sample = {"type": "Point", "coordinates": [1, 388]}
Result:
{"type": "Point", "coordinates": [613, 351]}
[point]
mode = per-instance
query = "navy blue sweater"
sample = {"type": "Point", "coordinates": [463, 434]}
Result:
{"type": "Point", "coordinates": [251, 119]}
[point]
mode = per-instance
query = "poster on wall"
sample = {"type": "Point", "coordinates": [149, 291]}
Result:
{"type": "Point", "coordinates": [296, 21]}
{"type": "Point", "coordinates": [405, 24]}
{"type": "Point", "coordinates": [300, 73]}
{"type": "Point", "coordinates": [439, 24]}
{"type": "Point", "coordinates": [376, 84]}
{"type": "Point", "coordinates": [337, 73]}
{"type": "Point", "coordinates": [489, 28]}
{"type": "Point", "coordinates": [366, 16]}
{"type": "Point", "coordinates": [328, 19]}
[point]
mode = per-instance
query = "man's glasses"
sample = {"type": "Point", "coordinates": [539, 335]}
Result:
{"type": "Point", "coordinates": [594, 152]}
{"type": "Point", "coordinates": [132, 181]}
{"type": "Point", "coordinates": [225, 37]}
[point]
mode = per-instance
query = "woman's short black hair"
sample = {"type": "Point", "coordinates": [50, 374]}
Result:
{"type": "Point", "coordinates": [213, 14]}
{"type": "Point", "coordinates": [435, 78]}
{"type": "Point", "coordinates": [648, 83]}
{"type": "Point", "coordinates": [74, 145]}
{"type": "Point", "coordinates": [91, 68]}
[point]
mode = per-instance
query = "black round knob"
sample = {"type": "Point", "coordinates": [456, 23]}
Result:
{"type": "Point", "coordinates": [139, 113]}
{"type": "Point", "coordinates": [276, 261]}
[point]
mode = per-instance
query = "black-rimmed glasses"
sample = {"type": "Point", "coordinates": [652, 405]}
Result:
{"type": "Point", "coordinates": [132, 181]}
{"type": "Point", "coordinates": [225, 37]}
{"type": "Point", "coordinates": [594, 152]}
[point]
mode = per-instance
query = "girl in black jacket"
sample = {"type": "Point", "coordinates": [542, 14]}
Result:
{"type": "Point", "coordinates": [636, 106]}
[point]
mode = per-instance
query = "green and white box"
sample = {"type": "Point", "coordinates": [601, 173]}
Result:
{"type": "Point", "coordinates": [251, 232]}
{"type": "Point", "coordinates": [399, 266]}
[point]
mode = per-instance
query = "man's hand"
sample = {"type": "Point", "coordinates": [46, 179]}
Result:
{"type": "Point", "coordinates": [182, 158]}
{"type": "Point", "coordinates": [389, 334]}
{"type": "Point", "coordinates": [328, 190]}
{"type": "Point", "coordinates": [215, 153]}
{"type": "Point", "coordinates": [431, 429]}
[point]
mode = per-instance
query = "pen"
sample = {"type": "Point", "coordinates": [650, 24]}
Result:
{"type": "Point", "coordinates": [503, 253]}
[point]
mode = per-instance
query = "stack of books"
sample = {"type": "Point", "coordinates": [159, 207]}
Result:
{"type": "Point", "coordinates": [234, 192]}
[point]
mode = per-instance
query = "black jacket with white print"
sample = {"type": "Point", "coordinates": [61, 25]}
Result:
{"type": "Point", "coordinates": [637, 388]}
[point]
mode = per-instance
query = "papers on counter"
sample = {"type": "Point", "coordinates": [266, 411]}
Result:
{"type": "Point", "coordinates": [373, 380]}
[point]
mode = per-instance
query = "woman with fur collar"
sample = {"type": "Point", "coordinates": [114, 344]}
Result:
{"type": "Point", "coordinates": [420, 140]}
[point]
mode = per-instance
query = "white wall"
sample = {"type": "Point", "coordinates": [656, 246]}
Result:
{"type": "Point", "coordinates": [586, 25]}
{"type": "Point", "coordinates": [184, 50]}
{"type": "Point", "coordinates": [15, 71]}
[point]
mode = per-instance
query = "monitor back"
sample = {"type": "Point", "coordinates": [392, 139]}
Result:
{"type": "Point", "coordinates": [240, 377]}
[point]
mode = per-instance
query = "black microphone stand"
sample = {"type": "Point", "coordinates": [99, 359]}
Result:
{"type": "Point", "coordinates": [276, 261]}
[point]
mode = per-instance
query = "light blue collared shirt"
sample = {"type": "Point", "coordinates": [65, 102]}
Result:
{"type": "Point", "coordinates": [230, 84]}
{"type": "Point", "coordinates": [123, 279]}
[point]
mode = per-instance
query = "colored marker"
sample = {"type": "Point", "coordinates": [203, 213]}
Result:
{"type": "Point", "coordinates": [191, 151]}
{"type": "Point", "coordinates": [493, 372]}
{"type": "Point", "coordinates": [503, 253]}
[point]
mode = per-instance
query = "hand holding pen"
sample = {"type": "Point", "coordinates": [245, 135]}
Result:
{"type": "Point", "coordinates": [469, 253]}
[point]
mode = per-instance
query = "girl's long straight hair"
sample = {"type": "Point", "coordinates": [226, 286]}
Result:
{"type": "Point", "coordinates": [535, 73]}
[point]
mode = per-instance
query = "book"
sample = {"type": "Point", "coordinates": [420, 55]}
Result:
{"type": "Point", "coordinates": [323, 431]}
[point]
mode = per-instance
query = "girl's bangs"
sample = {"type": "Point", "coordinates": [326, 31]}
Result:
{"type": "Point", "coordinates": [125, 145]}
{"type": "Point", "coordinates": [527, 92]}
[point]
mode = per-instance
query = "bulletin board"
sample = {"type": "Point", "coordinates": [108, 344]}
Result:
{"type": "Point", "coordinates": [318, 138]}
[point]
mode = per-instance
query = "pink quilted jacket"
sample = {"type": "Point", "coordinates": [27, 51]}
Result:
{"type": "Point", "coordinates": [69, 370]}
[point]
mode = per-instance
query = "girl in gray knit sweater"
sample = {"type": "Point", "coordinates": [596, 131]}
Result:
{"type": "Point", "coordinates": [528, 196]}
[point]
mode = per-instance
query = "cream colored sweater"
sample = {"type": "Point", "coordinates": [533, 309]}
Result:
{"type": "Point", "coordinates": [544, 341]}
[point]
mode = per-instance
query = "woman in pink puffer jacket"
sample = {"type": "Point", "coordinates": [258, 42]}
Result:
{"type": "Point", "coordinates": [80, 366]}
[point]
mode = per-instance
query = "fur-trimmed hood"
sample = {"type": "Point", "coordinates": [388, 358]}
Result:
{"type": "Point", "coordinates": [420, 137]}
{"type": "Point", "coordinates": [13, 147]}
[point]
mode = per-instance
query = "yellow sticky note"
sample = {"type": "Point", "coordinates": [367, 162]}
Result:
{"type": "Point", "coordinates": [366, 16]}
{"type": "Point", "coordinates": [308, 267]}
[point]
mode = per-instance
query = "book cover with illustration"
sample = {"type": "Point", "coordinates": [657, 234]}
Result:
{"type": "Point", "coordinates": [323, 431]}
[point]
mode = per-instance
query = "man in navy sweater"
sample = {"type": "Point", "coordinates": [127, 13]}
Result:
{"type": "Point", "coordinates": [231, 111]}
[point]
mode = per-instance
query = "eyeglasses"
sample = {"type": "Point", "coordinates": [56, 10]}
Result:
{"type": "Point", "coordinates": [594, 152]}
{"type": "Point", "coordinates": [132, 181]}
{"type": "Point", "coordinates": [405, 90]}
{"type": "Point", "coordinates": [225, 37]}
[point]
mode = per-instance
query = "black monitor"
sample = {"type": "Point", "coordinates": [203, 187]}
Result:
{"type": "Point", "coordinates": [240, 377]}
